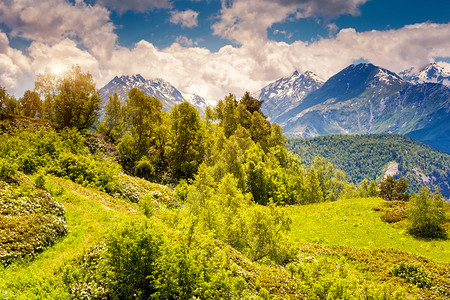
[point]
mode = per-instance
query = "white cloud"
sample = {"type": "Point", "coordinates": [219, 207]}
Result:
{"type": "Point", "coordinates": [237, 69]}
{"type": "Point", "coordinates": [187, 18]}
{"type": "Point", "coordinates": [61, 56]}
{"type": "Point", "coordinates": [312, 8]}
{"type": "Point", "coordinates": [332, 29]}
{"type": "Point", "coordinates": [13, 65]}
{"type": "Point", "coordinates": [54, 20]}
{"type": "Point", "coordinates": [122, 6]}
{"type": "Point", "coordinates": [185, 41]}
{"type": "Point", "coordinates": [247, 21]}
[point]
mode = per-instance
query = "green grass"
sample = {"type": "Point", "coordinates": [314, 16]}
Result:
{"type": "Point", "coordinates": [89, 215]}
{"type": "Point", "coordinates": [354, 223]}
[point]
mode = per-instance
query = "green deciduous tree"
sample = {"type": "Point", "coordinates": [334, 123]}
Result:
{"type": "Point", "coordinates": [31, 104]}
{"type": "Point", "coordinates": [392, 189]}
{"type": "Point", "coordinates": [187, 140]}
{"type": "Point", "coordinates": [113, 125]}
{"type": "Point", "coordinates": [141, 149]}
{"type": "Point", "coordinates": [8, 104]}
{"type": "Point", "coordinates": [251, 104]}
{"type": "Point", "coordinates": [426, 214]}
{"type": "Point", "coordinates": [70, 100]}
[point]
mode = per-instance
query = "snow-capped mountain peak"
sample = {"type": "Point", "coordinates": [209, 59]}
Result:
{"type": "Point", "coordinates": [158, 87]}
{"type": "Point", "coordinates": [433, 72]}
{"type": "Point", "coordinates": [287, 92]}
{"type": "Point", "coordinates": [385, 76]}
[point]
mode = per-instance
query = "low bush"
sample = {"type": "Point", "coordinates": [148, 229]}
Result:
{"type": "Point", "coordinates": [88, 172]}
{"type": "Point", "coordinates": [64, 154]}
{"type": "Point", "coordinates": [135, 189]}
{"type": "Point", "coordinates": [26, 235]}
{"type": "Point", "coordinates": [385, 265]}
{"type": "Point", "coordinates": [7, 168]}
{"type": "Point", "coordinates": [395, 211]}
{"type": "Point", "coordinates": [412, 273]}
{"type": "Point", "coordinates": [30, 220]}
{"type": "Point", "coordinates": [232, 217]}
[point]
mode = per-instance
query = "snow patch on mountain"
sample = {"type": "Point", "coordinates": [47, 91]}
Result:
{"type": "Point", "coordinates": [287, 92]}
{"type": "Point", "coordinates": [197, 101]}
{"type": "Point", "coordinates": [159, 88]}
{"type": "Point", "coordinates": [433, 73]}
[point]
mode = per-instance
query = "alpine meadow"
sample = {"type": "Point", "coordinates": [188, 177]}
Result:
{"type": "Point", "coordinates": [240, 149]}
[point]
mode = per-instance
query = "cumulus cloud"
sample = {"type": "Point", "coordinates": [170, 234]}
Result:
{"type": "Point", "coordinates": [187, 18]}
{"type": "Point", "coordinates": [247, 21]}
{"type": "Point", "coordinates": [13, 64]}
{"type": "Point", "coordinates": [61, 56]}
{"type": "Point", "coordinates": [237, 69]}
{"type": "Point", "coordinates": [54, 20]}
{"type": "Point", "coordinates": [332, 29]}
{"type": "Point", "coordinates": [312, 8]}
{"type": "Point", "coordinates": [135, 5]}
{"type": "Point", "coordinates": [185, 41]}
{"type": "Point", "coordinates": [64, 34]}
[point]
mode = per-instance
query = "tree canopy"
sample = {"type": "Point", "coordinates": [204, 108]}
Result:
{"type": "Point", "coordinates": [70, 100]}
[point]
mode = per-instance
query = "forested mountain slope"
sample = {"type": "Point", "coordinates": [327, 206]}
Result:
{"type": "Point", "coordinates": [368, 156]}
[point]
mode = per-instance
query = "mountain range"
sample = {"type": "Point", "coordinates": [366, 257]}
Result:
{"type": "Point", "coordinates": [285, 93]}
{"type": "Point", "coordinates": [159, 88]}
{"type": "Point", "coordinates": [360, 99]}
{"type": "Point", "coordinates": [363, 99]}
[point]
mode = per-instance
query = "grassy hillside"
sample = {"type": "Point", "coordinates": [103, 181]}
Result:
{"type": "Point", "coordinates": [368, 156]}
{"type": "Point", "coordinates": [89, 215]}
{"type": "Point", "coordinates": [357, 223]}
{"type": "Point", "coordinates": [319, 269]}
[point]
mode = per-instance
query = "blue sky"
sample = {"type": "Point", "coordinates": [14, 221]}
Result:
{"type": "Point", "coordinates": [212, 47]}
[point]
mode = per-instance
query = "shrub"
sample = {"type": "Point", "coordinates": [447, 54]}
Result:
{"type": "Point", "coordinates": [412, 273]}
{"type": "Point", "coordinates": [135, 189]}
{"type": "Point", "coordinates": [140, 260]}
{"type": "Point", "coordinates": [231, 216]}
{"type": "Point", "coordinates": [144, 168]}
{"type": "Point", "coordinates": [7, 168]}
{"type": "Point", "coordinates": [395, 211]}
{"type": "Point", "coordinates": [39, 181]}
{"type": "Point", "coordinates": [87, 171]}
{"type": "Point", "coordinates": [426, 214]}
{"type": "Point", "coordinates": [181, 190]}
{"type": "Point", "coordinates": [30, 220]}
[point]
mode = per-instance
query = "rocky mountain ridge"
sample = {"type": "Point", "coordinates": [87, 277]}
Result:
{"type": "Point", "coordinates": [159, 88]}
{"type": "Point", "coordinates": [364, 99]}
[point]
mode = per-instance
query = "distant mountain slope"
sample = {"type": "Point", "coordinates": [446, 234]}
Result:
{"type": "Point", "coordinates": [351, 82]}
{"type": "Point", "coordinates": [285, 93]}
{"type": "Point", "coordinates": [368, 156]}
{"type": "Point", "coordinates": [364, 99]}
{"type": "Point", "coordinates": [434, 73]}
{"type": "Point", "coordinates": [159, 88]}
